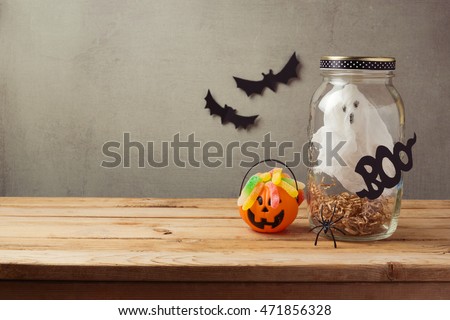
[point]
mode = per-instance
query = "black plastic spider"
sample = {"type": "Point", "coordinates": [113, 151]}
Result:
{"type": "Point", "coordinates": [327, 225]}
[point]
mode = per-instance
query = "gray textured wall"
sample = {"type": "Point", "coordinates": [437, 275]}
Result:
{"type": "Point", "coordinates": [75, 74]}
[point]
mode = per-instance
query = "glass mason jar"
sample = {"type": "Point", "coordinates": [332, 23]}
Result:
{"type": "Point", "coordinates": [354, 110]}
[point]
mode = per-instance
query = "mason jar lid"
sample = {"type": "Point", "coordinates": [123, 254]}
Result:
{"type": "Point", "coordinates": [358, 63]}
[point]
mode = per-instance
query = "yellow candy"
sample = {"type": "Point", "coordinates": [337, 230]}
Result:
{"type": "Point", "coordinates": [265, 176]}
{"type": "Point", "coordinates": [289, 189]}
{"type": "Point", "coordinates": [252, 197]}
{"type": "Point", "coordinates": [241, 200]}
{"type": "Point", "coordinates": [300, 185]}
{"type": "Point", "coordinates": [276, 176]}
{"type": "Point", "coordinates": [289, 180]}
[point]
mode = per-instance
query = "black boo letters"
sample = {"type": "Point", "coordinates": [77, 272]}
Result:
{"type": "Point", "coordinates": [375, 186]}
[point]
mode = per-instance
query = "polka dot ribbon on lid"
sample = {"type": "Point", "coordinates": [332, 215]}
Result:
{"type": "Point", "coordinates": [357, 63]}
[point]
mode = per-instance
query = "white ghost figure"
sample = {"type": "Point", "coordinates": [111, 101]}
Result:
{"type": "Point", "coordinates": [350, 117]}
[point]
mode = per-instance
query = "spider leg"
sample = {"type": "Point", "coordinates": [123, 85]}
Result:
{"type": "Point", "coordinates": [338, 220]}
{"type": "Point", "coordinates": [338, 229]}
{"type": "Point", "coordinates": [321, 213]}
{"type": "Point", "coordinates": [318, 218]}
{"type": "Point", "coordinates": [314, 228]}
{"type": "Point", "coordinates": [332, 235]}
{"type": "Point", "coordinates": [317, 237]}
{"type": "Point", "coordinates": [332, 215]}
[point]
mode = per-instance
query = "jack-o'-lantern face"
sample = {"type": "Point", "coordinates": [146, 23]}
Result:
{"type": "Point", "coordinates": [262, 217]}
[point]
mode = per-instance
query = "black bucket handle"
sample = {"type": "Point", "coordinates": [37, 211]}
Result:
{"type": "Point", "coordinates": [264, 161]}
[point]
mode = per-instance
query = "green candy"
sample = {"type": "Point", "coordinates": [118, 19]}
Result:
{"type": "Point", "coordinates": [251, 184]}
{"type": "Point", "coordinates": [289, 181]}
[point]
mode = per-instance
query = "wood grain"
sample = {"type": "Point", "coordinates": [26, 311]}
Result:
{"type": "Point", "coordinates": [56, 241]}
{"type": "Point", "coordinates": [222, 290]}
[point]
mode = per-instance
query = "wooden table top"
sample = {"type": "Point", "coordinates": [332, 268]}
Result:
{"type": "Point", "coordinates": [205, 240]}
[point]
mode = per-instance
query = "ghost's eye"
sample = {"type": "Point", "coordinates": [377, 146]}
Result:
{"type": "Point", "coordinates": [351, 117]}
{"type": "Point", "coordinates": [356, 103]}
{"type": "Point", "coordinates": [344, 108]}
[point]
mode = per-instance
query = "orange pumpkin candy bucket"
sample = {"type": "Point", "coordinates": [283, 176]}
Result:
{"type": "Point", "coordinates": [269, 201]}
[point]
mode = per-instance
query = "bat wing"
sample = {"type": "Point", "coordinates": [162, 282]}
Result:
{"type": "Point", "coordinates": [227, 113]}
{"type": "Point", "coordinates": [239, 121]}
{"type": "Point", "coordinates": [270, 80]}
{"type": "Point", "coordinates": [214, 107]}
{"type": "Point", "coordinates": [288, 72]}
{"type": "Point", "coordinates": [250, 87]}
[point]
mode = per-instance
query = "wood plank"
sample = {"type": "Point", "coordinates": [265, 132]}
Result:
{"type": "Point", "coordinates": [72, 227]}
{"type": "Point", "coordinates": [425, 204]}
{"type": "Point", "coordinates": [54, 227]}
{"type": "Point", "coordinates": [222, 290]}
{"type": "Point", "coordinates": [200, 240]}
{"type": "Point", "coordinates": [168, 202]}
{"type": "Point", "coordinates": [294, 246]}
{"type": "Point", "coordinates": [166, 212]}
{"type": "Point", "coordinates": [112, 212]}
{"type": "Point", "coordinates": [68, 202]}
{"type": "Point", "coordinates": [174, 212]}
{"type": "Point", "coordinates": [227, 266]}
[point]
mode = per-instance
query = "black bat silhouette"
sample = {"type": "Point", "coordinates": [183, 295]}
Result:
{"type": "Point", "coordinates": [227, 113]}
{"type": "Point", "coordinates": [270, 79]}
